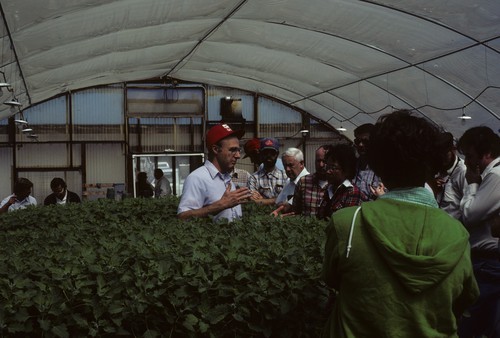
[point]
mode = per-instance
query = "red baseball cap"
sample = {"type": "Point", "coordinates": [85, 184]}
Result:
{"type": "Point", "coordinates": [251, 146]}
{"type": "Point", "coordinates": [221, 131]}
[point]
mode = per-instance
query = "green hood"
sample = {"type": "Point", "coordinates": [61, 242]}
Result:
{"type": "Point", "coordinates": [419, 253]}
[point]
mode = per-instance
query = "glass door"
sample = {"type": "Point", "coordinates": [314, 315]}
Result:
{"type": "Point", "coordinates": [175, 167]}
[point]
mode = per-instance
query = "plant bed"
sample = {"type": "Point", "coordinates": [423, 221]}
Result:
{"type": "Point", "coordinates": [131, 268]}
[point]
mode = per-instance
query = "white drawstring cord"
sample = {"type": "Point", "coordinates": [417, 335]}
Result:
{"type": "Point", "coordinates": [351, 232]}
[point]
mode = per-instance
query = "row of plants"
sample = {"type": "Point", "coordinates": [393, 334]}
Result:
{"type": "Point", "coordinates": [131, 268]}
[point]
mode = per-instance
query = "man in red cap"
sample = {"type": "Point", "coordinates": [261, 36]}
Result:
{"type": "Point", "coordinates": [208, 190]}
{"type": "Point", "coordinates": [251, 149]}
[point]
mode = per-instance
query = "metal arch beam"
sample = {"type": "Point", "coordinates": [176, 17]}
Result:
{"type": "Point", "coordinates": [205, 37]}
{"type": "Point", "coordinates": [367, 79]}
{"type": "Point", "coordinates": [13, 47]}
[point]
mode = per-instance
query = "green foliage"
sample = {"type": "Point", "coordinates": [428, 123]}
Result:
{"type": "Point", "coordinates": [131, 268]}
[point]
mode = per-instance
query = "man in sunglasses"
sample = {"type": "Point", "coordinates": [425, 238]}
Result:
{"type": "Point", "coordinates": [365, 179]}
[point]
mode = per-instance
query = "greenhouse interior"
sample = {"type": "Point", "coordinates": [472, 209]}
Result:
{"type": "Point", "coordinates": [94, 91]}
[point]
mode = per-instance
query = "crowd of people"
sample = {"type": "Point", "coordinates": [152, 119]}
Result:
{"type": "Point", "coordinates": [412, 235]}
{"type": "Point", "coordinates": [412, 231]}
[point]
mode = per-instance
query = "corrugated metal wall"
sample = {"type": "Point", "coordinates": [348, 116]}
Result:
{"type": "Point", "coordinates": [215, 94]}
{"type": "Point", "coordinates": [274, 120]}
{"type": "Point", "coordinates": [97, 128]}
{"type": "Point", "coordinates": [98, 114]}
{"type": "Point", "coordinates": [6, 171]}
{"type": "Point", "coordinates": [105, 163]}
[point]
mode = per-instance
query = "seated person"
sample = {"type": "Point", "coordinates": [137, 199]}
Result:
{"type": "Point", "coordinates": [162, 184]}
{"type": "Point", "coordinates": [142, 187]}
{"type": "Point", "coordinates": [60, 193]}
{"type": "Point", "coordinates": [21, 198]}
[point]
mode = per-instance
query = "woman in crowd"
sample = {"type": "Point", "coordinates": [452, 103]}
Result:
{"type": "Point", "coordinates": [401, 266]}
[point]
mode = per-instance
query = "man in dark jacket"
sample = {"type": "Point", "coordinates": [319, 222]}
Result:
{"type": "Point", "coordinates": [60, 193]}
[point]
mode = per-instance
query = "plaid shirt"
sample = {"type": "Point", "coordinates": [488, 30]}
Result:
{"type": "Point", "coordinates": [365, 177]}
{"type": "Point", "coordinates": [346, 195]}
{"type": "Point", "coordinates": [308, 195]}
{"type": "Point", "coordinates": [269, 185]}
{"type": "Point", "coordinates": [240, 177]}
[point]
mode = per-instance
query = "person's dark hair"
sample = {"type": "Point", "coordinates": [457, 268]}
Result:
{"type": "Point", "coordinates": [364, 129]}
{"type": "Point", "coordinates": [345, 155]}
{"type": "Point", "coordinates": [158, 171]}
{"type": "Point", "coordinates": [445, 141]}
{"type": "Point", "coordinates": [21, 185]}
{"type": "Point", "coordinates": [142, 176]}
{"type": "Point", "coordinates": [56, 182]}
{"type": "Point", "coordinates": [482, 139]}
{"type": "Point", "coordinates": [326, 147]}
{"type": "Point", "coordinates": [402, 150]}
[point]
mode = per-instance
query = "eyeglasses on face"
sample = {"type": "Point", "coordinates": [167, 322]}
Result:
{"type": "Point", "coordinates": [235, 150]}
{"type": "Point", "coordinates": [358, 141]}
{"type": "Point", "coordinates": [332, 167]}
{"type": "Point", "coordinates": [232, 150]}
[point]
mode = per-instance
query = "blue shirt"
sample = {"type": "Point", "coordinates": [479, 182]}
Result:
{"type": "Point", "coordinates": [205, 186]}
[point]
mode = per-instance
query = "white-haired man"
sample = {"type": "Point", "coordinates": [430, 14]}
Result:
{"type": "Point", "coordinates": [293, 161]}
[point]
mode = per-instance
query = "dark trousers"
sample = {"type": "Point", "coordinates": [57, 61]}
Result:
{"type": "Point", "coordinates": [483, 318]}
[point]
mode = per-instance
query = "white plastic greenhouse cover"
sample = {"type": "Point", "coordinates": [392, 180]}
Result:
{"type": "Point", "coordinates": [345, 62]}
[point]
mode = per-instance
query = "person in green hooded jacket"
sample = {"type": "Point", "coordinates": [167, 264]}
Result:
{"type": "Point", "coordinates": [400, 266]}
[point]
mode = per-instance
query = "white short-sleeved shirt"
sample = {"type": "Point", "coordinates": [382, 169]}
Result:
{"type": "Point", "coordinates": [289, 189]}
{"type": "Point", "coordinates": [30, 200]}
{"type": "Point", "coordinates": [205, 186]}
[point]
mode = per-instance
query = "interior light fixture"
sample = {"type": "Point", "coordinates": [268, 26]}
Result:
{"type": "Point", "coordinates": [342, 129]}
{"type": "Point", "coordinates": [21, 121]}
{"type": "Point", "coordinates": [27, 130]}
{"type": "Point", "coordinates": [464, 116]}
{"type": "Point", "coordinates": [3, 85]}
{"type": "Point", "coordinates": [304, 132]}
{"type": "Point", "coordinates": [13, 103]}
{"type": "Point", "coordinates": [33, 136]}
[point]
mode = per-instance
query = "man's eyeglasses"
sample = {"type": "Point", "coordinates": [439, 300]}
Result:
{"type": "Point", "coordinates": [358, 141]}
{"type": "Point", "coordinates": [235, 150]}
{"type": "Point", "coordinates": [332, 167]}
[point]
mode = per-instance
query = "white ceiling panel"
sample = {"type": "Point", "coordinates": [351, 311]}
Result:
{"type": "Point", "coordinates": [343, 61]}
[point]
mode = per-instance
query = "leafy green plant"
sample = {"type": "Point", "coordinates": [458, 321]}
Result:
{"type": "Point", "coordinates": [131, 268]}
